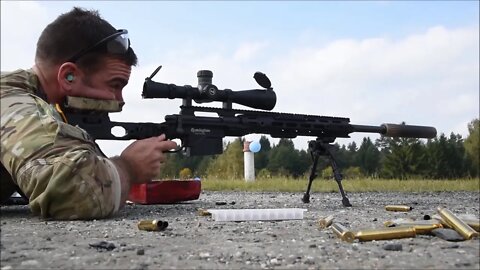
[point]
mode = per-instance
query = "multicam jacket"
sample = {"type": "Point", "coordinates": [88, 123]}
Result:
{"type": "Point", "coordinates": [56, 165]}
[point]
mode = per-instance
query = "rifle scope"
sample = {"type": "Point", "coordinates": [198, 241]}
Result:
{"type": "Point", "coordinates": [264, 99]}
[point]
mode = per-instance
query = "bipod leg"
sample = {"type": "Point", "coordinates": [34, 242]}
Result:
{"type": "Point", "coordinates": [313, 174]}
{"type": "Point", "coordinates": [338, 177]}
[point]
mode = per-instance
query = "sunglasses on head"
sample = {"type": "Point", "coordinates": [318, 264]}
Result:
{"type": "Point", "coordinates": [116, 43]}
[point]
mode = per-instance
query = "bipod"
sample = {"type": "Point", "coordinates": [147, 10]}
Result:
{"type": "Point", "coordinates": [317, 148]}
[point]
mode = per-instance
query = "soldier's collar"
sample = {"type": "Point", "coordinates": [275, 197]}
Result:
{"type": "Point", "coordinates": [89, 104]}
{"type": "Point", "coordinates": [39, 92]}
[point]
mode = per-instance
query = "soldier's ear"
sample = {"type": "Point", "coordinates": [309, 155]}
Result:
{"type": "Point", "coordinates": [66, 77]}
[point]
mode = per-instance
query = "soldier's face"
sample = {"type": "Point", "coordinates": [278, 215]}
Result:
{"type": "Point", "coordinates": [107, 83]}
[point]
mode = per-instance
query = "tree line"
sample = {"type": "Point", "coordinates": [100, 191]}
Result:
{"type": "Point", "coordinates": [443, 157]}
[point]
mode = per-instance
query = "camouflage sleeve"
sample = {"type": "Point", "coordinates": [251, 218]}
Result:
{"type": "Point", "coordinates": [55, 164]}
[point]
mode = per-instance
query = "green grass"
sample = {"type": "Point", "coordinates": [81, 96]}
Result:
{"type": "Point", "coordinates": [350, 185]}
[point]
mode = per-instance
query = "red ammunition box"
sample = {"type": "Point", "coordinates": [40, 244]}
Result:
{"type": "Point", "coordinates": [165, 191]}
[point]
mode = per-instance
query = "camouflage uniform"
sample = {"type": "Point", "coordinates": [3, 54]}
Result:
{"type": "Point", "coordinates": [56, 165]}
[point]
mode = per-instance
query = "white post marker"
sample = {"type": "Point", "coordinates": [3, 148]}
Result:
{"type": "Point", "coordinates": [249, 162]}
{"type": "Point", "coordinates": [249, 148]}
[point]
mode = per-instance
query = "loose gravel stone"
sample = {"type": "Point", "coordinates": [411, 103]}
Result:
{"type": "Point", "coordinates": [103, 245]}
{"type": "Point", "coordinates": [393, 247]}
{"type": "Point", "coordinates": [448, 234]}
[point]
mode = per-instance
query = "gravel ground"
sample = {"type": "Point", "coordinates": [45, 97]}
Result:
{"type": "Point", "coordinates": [193, 241]}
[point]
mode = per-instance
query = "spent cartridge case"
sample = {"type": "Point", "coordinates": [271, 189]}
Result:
{"type": "Point", "coordinates": [152, 225]}
{"type": "Point", "coordinates": [325, 222]}
{"type": "Point", "coordinates": [471, 221]}
{"type": "Point", "coordinates": [420, 228]}
{"type": "Point", "coordinates": [343, 233]}
{"type": "Point", "coordinates": [398, 208]}
{"type": "Point", "coordinates": [410, 222]}
{"type": "Point", "coordinates": [475, 224]}
{"type": "Point", "coordinates": [386, 233]}
{"type": "Point", "coordinates": [456, 223]}
{"type": "Point", "coordinates": [203, 212]}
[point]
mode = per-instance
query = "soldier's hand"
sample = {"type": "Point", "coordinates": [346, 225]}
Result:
{"type": "Point", "coordinates": [145, 157]}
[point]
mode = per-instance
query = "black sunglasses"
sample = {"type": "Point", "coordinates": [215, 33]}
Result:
{"type": "Point", "coordinates": [117, 43]}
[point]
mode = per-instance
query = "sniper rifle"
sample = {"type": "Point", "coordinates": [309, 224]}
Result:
{"type": "Point", "coordinates": [203, 135]}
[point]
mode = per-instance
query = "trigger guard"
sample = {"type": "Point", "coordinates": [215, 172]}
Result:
{"type": "Point", "coordinates": [176, 150]}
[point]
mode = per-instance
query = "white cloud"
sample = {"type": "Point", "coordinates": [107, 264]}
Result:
{"type": "Point", "coordinates": [429, 78]}
{"type": "Point", "coordinates": [248, 50]}
{"type": "Point", "coordinates": [21, 25]}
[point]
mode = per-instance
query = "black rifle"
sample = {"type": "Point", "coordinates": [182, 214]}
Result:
{"type": "Point", "coordinates": [203, 135]}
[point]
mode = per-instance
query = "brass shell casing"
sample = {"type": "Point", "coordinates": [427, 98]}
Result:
{"type": "Point", "coordinates": [386, 233]}
{"type": "Point", "coordinates": [343, 233]}
{"type": "Point", "coordinates": [457, 224]}
{"type": "Point", "coordinates": [203, 212]}
{"type": "Point", "coordinates": [152, 225]}
{"type": "Point", "coordinates": [475, 224]}
{"type": "Point", "coordinates": [398, 208]}
{"type": "Point", "coordinates": [398, 222]}
{"type": "Point", "coordinates": [422, 228]}
{"type": "Point", "coordinates": [325, 222]}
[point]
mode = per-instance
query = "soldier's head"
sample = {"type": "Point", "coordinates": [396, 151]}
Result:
{"type": "Point", "coordinates": [90, 57]}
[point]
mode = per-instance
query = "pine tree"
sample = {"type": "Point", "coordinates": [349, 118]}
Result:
{"type": "Point", "coordinates": [402, 157]}
{"type": "Point", "coordinates": [472, 146]}
{"type": "Point", "coordinates": [368, 157]}
{"type": "Point", "coordinates": [261, 157]}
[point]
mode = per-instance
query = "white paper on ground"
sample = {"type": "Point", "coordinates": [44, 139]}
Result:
{"type": "Point", "coordinates": [256, 214]}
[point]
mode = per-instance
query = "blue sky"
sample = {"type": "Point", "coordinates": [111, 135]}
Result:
{"type": "Point", "coordinates": [375, 62]}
